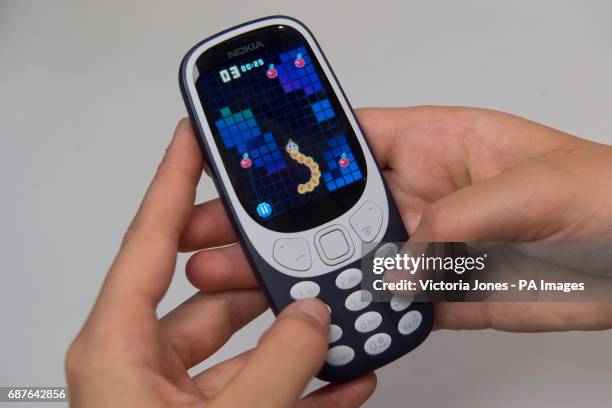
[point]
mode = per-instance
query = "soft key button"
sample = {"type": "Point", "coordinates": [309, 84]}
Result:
{"type": "Point", "coordinates": [367, 221]}
{"type": "Point", "coordinates": [368, 321]}
{"type": "Point", "coordinates": [340, 355]}
{"type": "Point", "coordinates": [377, 343]}
{"type": "Point", "coordinates": [293, 253]}
{"type": "Point", "coordinates": [349, 278]}
{"type": "Point", "coordinates": [334, 244]}
{"type": "Point", "coordinates": [304, 290]}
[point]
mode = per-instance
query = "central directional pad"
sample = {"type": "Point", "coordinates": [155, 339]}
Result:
{"type": "Point", "coordinates": [334, 244]}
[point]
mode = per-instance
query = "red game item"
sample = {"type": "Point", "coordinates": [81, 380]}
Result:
{"type": "Point", "coordinates": [299, 61]}
{"type": "Point", "coordinates": [246, 161]}
{"type": "Point", "coordinates": [343, 162]}
{"type": "Point", "coordinates": [272, 72]}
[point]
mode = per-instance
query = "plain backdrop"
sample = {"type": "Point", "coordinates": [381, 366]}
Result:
{"type": "Point", "coordinates": [89, 99]}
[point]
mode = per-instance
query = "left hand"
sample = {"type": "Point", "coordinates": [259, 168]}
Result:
{"type": "Point", "coordinates": [125, 356]}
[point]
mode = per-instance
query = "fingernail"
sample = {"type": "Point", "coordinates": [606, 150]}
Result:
{"type": "Point", "coordinates": [315, 309]}
{"type": "Point", "coordinates": [181, 124]}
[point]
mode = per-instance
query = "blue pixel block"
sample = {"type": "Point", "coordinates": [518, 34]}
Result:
{"type": "Point", "coordinates": [293, 78]}
{"type": "Point", "coordinates": [322, 110]}
{"type": "Point", "coordinates": [338, 176]}
{"type": "Point", "coordinates": [240, 131]}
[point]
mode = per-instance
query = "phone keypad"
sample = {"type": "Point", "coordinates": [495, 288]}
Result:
{"type": "Point", "coordinates": [364, 316]}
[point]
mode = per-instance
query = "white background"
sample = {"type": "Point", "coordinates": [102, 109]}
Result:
{"type": "Point", "coordinates": [89, 99]}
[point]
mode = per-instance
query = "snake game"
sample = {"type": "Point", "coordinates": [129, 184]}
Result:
{"type": "Point", "coordinates": [278, 131]}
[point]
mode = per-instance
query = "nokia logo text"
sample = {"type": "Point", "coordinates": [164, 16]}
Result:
{"type": "Point", "coordinates": [244, 49]}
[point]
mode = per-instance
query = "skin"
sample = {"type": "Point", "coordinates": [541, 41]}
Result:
{"type": "Point", "coordinates": [456, 174]}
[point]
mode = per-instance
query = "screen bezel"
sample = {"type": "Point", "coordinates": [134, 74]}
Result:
{"type": "Point", "coordinates": [324, 208]}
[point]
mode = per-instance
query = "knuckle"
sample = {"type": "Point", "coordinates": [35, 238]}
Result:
{"type": "Point", "coordinates": [193, 265]}
{"type": "Point", "coordinates": [438, 221]}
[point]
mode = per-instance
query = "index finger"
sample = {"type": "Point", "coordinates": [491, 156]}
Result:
{"type": "Point", "coordinates": [379, 126]}
{"type": "Point", "coordinates": [142, 270]}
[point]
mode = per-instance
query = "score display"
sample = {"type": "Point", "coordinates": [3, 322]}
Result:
{"type": "Point", "coordinates": [234, 72]}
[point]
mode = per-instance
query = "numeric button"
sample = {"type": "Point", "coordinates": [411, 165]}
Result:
{"type": "Point", "coordinates": [304, 290]}
{"type": "Point", "coordinates": [400, 303]}
{"type": "Point", "coordinates": [368, 321]}
{"type": "Point", "coordinates": [388, 250]}
{"type": "Point", "coordinates": [349, 278]}
{"type": "Point", "coordinates": [410, 322]}
{"type": "Point", "coordinates": [335, 332]}
{"type": "Point", "coordinates": [340, 355]}
{"type": "Point", "coordinates": [377, 343]}
{"type": "Point", "coordinates": [358, 300]}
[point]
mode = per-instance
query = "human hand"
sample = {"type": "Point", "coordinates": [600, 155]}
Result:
{"type": "Point", "coordinates": [461, 174]}
{"type": "Point", "coordinates": [125, 356]}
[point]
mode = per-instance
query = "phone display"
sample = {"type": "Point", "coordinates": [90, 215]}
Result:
{"type": "Point", "coordinates": [287, 145]}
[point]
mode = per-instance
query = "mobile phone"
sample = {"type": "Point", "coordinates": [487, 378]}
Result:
{"type": "Point", "coordinates": [300, 184]}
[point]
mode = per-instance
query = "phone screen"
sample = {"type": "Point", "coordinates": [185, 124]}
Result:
{"type": "Point", "coordinates": [286, 143]}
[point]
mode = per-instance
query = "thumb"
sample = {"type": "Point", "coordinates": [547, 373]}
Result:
{"type": "Point", "coordinates": [288, 356]}
{"type": "Point", "coordinates": [523, 204]}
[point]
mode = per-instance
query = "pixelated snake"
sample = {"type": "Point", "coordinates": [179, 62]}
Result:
{"type": "Point", "coordinates": [294, 151]}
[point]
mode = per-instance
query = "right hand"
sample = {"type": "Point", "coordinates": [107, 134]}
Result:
{"type": "Point", "coordinates": [462, 174]}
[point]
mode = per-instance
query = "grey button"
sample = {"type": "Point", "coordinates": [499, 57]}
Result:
{"type": "Point", "coordinates": [387, 250]}
{"type": "Point", "coordinates": [304, 290]}
{"type": "Point", "coordinates": [400, 303]}
{"type": "Point", "coordinates": [358, 300]}
{"type": "Point", "coordinates": [335, 332]}
{"type": "Point", "coordinates": [334, 244]}
{"type": "Point", "coordinates": [410, 322]}
{"type": "Point", "coordinates": [340, 355]}
{"type": "Point", "coordinates": [367, 221]}
{"type": "Point", "coordinates": [349, 278]}
{"type": "Point", "coordinates": [368, 321]}
{"type": "Point", "coordinates": [292, 253]}
{"type": "Point", "coordinates": [377, 343]}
